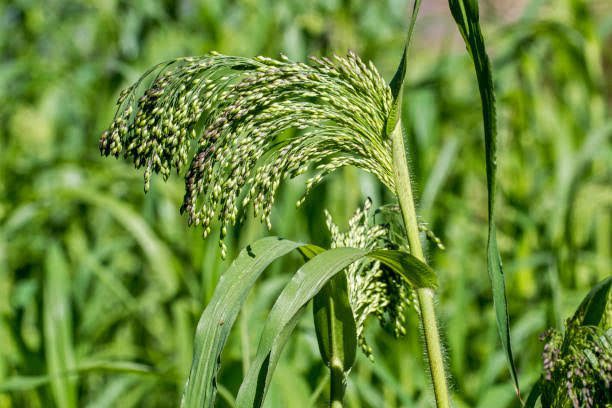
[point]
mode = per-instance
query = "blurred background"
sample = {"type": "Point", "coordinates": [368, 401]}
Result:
{"type": "Point", "coordinates": [98, 279]}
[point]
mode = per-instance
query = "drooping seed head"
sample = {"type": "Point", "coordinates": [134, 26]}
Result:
{"type": "Point", "coordinates": [246, 124]}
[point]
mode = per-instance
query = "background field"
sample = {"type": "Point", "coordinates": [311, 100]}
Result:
{"type": "Point", "coordinates": [98, 279]}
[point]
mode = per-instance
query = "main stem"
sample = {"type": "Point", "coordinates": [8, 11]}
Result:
{"type": "Point", "coordinates": [425, 295]}
{"type": "Point", "coordinates": [337, 385]}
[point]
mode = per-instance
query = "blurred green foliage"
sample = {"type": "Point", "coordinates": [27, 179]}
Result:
{"type": "Point", "coordinates": [101, 286]}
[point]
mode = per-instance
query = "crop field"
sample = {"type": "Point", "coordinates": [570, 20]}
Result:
{"type": "Point", "coordinates": [354, 201]}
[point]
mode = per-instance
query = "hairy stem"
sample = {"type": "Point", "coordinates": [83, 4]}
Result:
{"type": "Point", "coordinates": [425, 295]}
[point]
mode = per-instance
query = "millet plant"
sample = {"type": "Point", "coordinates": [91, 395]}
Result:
{"type": "Point", "coordinates": [243, 125]}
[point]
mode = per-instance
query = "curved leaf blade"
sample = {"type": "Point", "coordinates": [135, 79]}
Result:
{"type": "Point", "coordinates": [412, 270]}
{"type": "Point", "coordinates": [221, 313]}
{"type": "Point", "coordinates": [466, 15]}
{"type": "Point", "coordinates": [397, 82]}
{"type": "Point", "coordinates": [306, 284]}
{"type": "Point", "coordinates": [160, 257]}
{"type": "Point", "coordinates": [534, 394]}
{"type": "Point", "coordinates": [334, 321]}
{"type": "Point", "coordinates": [284, 316]}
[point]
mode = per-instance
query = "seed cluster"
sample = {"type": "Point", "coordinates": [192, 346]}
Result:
{"type": "Point", "coordinates": [373, 289]}
{"type": "Point", "coordinates": [577, 368]}
{"type": "Point", "coordinates": [252, 123]}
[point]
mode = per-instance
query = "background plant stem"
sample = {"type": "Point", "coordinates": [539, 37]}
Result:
{"type": "Point", "coordinates": [428, 316]}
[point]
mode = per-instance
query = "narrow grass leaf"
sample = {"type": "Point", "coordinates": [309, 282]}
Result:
{"type": "Point", "coordinates": [221, 313]}
{"type": "Point", "coordinates": [335, 326]}
{"type": "Point", "coordinates": [283, 317]}
{"type": "Point", "coordinates": [410, 269]}
{"type": "Point", "coordinates": [126, 367]}
{"type": "Point", "coordinates": [113, 392]}
{"type": "Point", "coordinates": [466, 15]}
{"type": "Point", "coordinates": [397, 82]}
{"type": "Point", "coordinates": [307, 283]}
{"type": "Point", "coordinates": [23, 383]}
{"type": "Point", "coordinates": [57, 315]}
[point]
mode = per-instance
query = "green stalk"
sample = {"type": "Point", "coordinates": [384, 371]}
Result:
{"type": "Point", "coordinates": [336, 385]}
{"type": "Point", "coordinates": [426, 296]}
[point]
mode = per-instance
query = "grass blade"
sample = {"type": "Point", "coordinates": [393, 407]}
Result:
{"type": "Point", "coordinates": [57, 315]}
{"type": "Point", "coordinates": [306, 284]}
{"type": "Point", "coordinates": [220, 314]}
{"type": "Point", "coordinates": [412, 270]}
{"type": "Point", "coordinates": [22, 383]}
{"type": "Point", "coordinates": [397, 82]}
{"type": "Point", "coordinates": [285, 313]}
{"type": "Point", "coordinates": [336, 329]}
{"type": "Point", "coordinates": [534, 394]}
{"type": "Point", "coordinates": [466, 15]}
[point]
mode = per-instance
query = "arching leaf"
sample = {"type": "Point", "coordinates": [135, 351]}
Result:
{"type": "Point", "coordinates": [306, 283]}
{"type": "Point", "coordinates": [57, 318]}
{"type": "Point", "coordinates": [220, 314]}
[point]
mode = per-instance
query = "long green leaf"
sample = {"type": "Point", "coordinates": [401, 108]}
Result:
{"type": "Point", "coordinates": [306, 283]}
{"type": "Point", "coordinates": [220, 314]}
{"type": "Point", "coordinates": [335, 324]}
{"type": "Point", "coordinates": [397, 82]}
{"type": "Point", "coordinates": [466, 15]}
{"type": "Point", "coordinates": [22, 383]}
{"type": "Point", "coordinates": [335, 327]}
{"type": "Point", "coordinates": [59, 351]}
{"type": "Point", "coordinates": [410, 269]}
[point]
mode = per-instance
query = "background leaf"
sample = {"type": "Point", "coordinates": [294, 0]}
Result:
{"type": "Point", "coordinates": [397, 82]}
{"type": "Point", "coordinates": [58, 329]}
{"type": "Point", "coordinates": [305, 284]}
{"type": "Point", "coordinates": [283, 317]}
